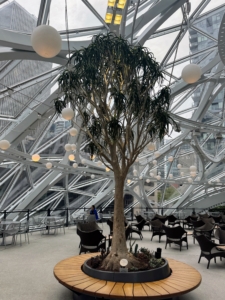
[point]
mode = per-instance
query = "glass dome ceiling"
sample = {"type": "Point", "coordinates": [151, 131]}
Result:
{"type": "Point", "coordinates": [177, 36]}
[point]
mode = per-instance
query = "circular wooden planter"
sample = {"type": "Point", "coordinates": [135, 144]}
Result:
{"type": "Point", "coordinates": [132, 277]}
{"type": "Point", "coordinates": [182, 280]}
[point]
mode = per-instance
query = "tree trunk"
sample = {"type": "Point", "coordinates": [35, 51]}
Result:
{"type": "Point", "coordinates": [119, 246]}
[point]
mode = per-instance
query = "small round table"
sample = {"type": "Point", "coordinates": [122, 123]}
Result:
{"type": "Point", "coordinates": [183, 279]}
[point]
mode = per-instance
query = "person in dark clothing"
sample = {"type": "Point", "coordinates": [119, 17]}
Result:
{"type": "Point", "coordinates": [94, 212]}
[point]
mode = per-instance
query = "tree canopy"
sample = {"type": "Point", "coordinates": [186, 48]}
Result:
{"type": "Point", "coordinates": [117, 90]}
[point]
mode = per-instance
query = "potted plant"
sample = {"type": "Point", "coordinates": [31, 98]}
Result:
{"type": "Point", "coordinates": [116, 88]}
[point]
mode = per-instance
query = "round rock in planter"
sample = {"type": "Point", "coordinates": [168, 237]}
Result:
{"type": "Point", "coordinates": [129, 277]}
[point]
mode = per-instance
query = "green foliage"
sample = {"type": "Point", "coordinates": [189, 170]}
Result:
{"type": "Point", "coordinates": [147, 252]}
{"type": "Point", "coordinates": [112, 86]}
{"type": "Point", "coordinates": [170, 192]}
{"type": "Point", "coordinates": [156, 262]}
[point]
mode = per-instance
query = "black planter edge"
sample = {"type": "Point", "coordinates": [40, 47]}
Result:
{"type": "Point", "coordinates": [130, 277]}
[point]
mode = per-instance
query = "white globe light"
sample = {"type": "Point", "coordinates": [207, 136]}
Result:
{"type": "Point", "coordinates": [73, 146]}
{"type": "Point", "coordinates": [48, 165]}
{"type": "Point", "coordinates": [83, 161]}
{"type": "Point", "coordinates": [193, 168]}
{"type": "Point", "coordinates": [193, 174]}
{"type": "Point", "coordinates": [4, 144]}
{"type": "Point", "coordinates": [35, 157]}
{"type": "Point", "coordinates": [182, 173]}
{"type": "Point", "coordinates": [179, 166]}
{"type": "Point", "coordinates": [107, 169]}
{"type": "Point", "coordinates": [151, 146]}
{"type": "Point", "coordinates": [191, 73]}
{"type": "Point", "coordinates": [99, 163]}
{"type": "Point", "coordinates": [140, 177]}
{"type": "Point", "coordinates": [68, 147]}
{"type": "Point", "coordinates": [71, 157]}
{"type": "Point", "coordinates": [46, 41]}
{"type": "Point", "coordinates": [190, 180]}
{"type": "Point", "coordinates": [218, 180]}
{"type": "Point", "coordinates": [158, 177]}
{"type": "Point", "coordinates": [128, 181]}
{"type": "Point", "coordinates": [67, 113]}
{"type": "Point", "coordinates": [159, 173]}
{"type": "Point", "coordinates": [151, 174]}
{"type": "Point", "coordinates": [171, 176]}
{"type": "Point", "coordinates": [148, 180]}
{"type": "Point", "coordinates": [154, 162]}
{"type": "Point", "coordinates": [170, 158]}
{"type": "Point", "coordinates": [92, 176]}
{"type": "Point", "coordinates": [157, 154]}
{"type": "Point", "coordinates": [73, 131]}
{"type": "Point", "coordinates": [135, 172]}
{"type": "Point", "coordinates": [75, 165]}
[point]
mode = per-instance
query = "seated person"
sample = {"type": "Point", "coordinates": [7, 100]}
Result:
{"type": "Point", "coordinates": [94, 212]}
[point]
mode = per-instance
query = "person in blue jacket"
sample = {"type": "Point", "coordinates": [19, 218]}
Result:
{"type": "Point", "coordinates": [94, 212]}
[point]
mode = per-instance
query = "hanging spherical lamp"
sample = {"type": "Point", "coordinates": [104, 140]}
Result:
{"type": "Point", "coordinates": [154, 162]}
{"type": "Point", "coordinates": [159, 173]}
{"type": "Point", "coordinates": [46, 41]}
{"type": "Point", "coordinates": [71, 157]}
{"type": "Point", "coordinates": [35, 157]}
{"type": "Point", "coordinates": [190, 180]}
{"type": "Point", "coordinates": [48, 165]}
{"type": "Point", "coordinates": [83, 161]}
{"type": "Point", "coordinates": [193, 174]}
{"type": "Point", "coordinates": [92, 176]}
{"type": "Point", "coordinates": [158, 177]}
{"type": "Point", "coordinates": [73, 131]}
{"type": "Point", "coordinates": [193, 168]}
{"type": "Point", "coordinates": [148, 180]}
{"type": "Point", "coordinates": [107, 169]}
{"type": "Point", "coordinates": [191, 73]}
{"type": "Point", "coordinates": [151, 174]}
{"type": "Point", "coordinates": [171, 176]}
{"type": "Point", "coordinates": [73, 146]}
{"type": "Point", "coordinates": [68, 147]}
{"type": "Point", "coordinates": [182, 173]}
{"type": "Point", "coordinates": [4, 144]}
{"type": "Point", "coordinates": [170, 158]}
{"type": "Point", "coordinates": [151, 146]}
{"type": "Point", "coordinates": [157, 154]}
{"type": "Point", "coordinates": [179, 166]}
{"type": "Point", "coordinates": [67, 113]}
{"type": "Point", "coordinates": [217, 180]}
{"type": "Point", "coordinates": [135, 172]}
{"type": "Point", "coordinates": [140, 177]}
{"type": "Point", "coordinates": [128, 181]}
{"type": "Point", "coordinates": [75, 165]}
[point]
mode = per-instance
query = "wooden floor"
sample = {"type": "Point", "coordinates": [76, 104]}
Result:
{"type": "Point", "coordinates": [183, 279]}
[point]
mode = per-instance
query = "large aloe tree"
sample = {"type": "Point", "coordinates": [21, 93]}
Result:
{"type": "Point", "coordinates": [111, 85]}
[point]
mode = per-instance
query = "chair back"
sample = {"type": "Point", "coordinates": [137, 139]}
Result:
{"type": "Point", "coordinates": [205, 244]}
{"type": "Point", "coordinates": [217, 219]}
{"type": "Point", "coordinates": [88, 227]}
{"type": "Point", "coordinates": [128, 231]}
{"type": "Point", "coordinates": [139, 218]}
{"type": "Point", "coordinates": [156, 224]}
{"type": "Point", "coordinates": [91, 238]}
{"type": "Point", "coordinates": [174, 232]}
{"type": "Point", "coordinates": [171, 218]}
{"type": "Point", "coordinates": [110, 224]}
{"type": "Point", "coordinates": [220, 235]}
{"type": "Point", "coordinates": [163, 219]}
{"type": "Point", "coordinates": [91, 218]}
{"type": "Point", "coordinates": [50, 221]}
{"type": "Point", "coordinates": [206, 227]}
{"type": "Point", "coordinates": [197, 223]}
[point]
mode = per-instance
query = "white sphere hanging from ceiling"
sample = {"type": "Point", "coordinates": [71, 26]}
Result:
{"type": "Point", "coordinates": [151, 146]}
{"type": "Point", "coordinates": [191, 73]}
{"type": "Point", "coordinates": [158, 177]}
{"type": "Point", "coordinates": [128, 181]}
{"type": "Point", "coordinates": [75, 165]}
{"type": "Point", "coordinates": [135, 172]}
{"type": "Point", "coordinates": [190, 180]}
{"type": "Point", "coordinates": [140, 177]}
{"type": "Point", "coordinates": [170, 158]}
{"type": "Point", "coordinates": [148, 180]}
{"type": "Point", "coordinates": [181, 173]}
{"type": "Point", "coordinates": [154, 162]}
{"type": "Point", "coordinates": [99, 163]}
{"type": "Point", "coordinates": [83, 161]}
{"type": "Point", "coordinates": [46, 41]}
{"type": "Point", "coordinates": [218, 180]}
{"type": "Point", "coordinates": [48, 165]}
{"type": "Point", "coordinates": [35, 157]}
{"type": "Point", "coordinates": [73, 131]}
{"type": "Point", "coordinates": [193, 168]}
{"type": "Point", "coordinates": [92, 176]}
{"type": "Point", "coordinates": [67, 113]}
{"type": "Point", "coordinates": [73, 146]}
{"type": "Point", "coordinates": [151, 174]}
{"type": "Point", "coordinates": [171, 176]}
{"type": "Point", "coordinates": [157, 154]}
{"type": "Point", "coordinates": [71, 157]}
{"type": "Point", "coordinates": [4, 144]}
{"type": "Point", "coordinates": [68, 147]}
{"type": "Point", "coordinates": [179, 166]}
{"type": "Point", "coordinates": [193, 173]}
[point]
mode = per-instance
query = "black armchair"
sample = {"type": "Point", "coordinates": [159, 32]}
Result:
{"type": "Point", "coordinates": [91, 241]}
{"type": "Point", "coordinates": [206, 229]}
{"type": "Point", "coordinates": [172, 220]}
{"type": "Point", "coordinates": [220, 235]}
{"type": "Point", "coordinates": [88, 227]}
{"type": "Point", "coordinates": [157, 229]}
{"type": "Point", "coordinates": [139, 218]}
{"type": "Point", "coordinates": [208, 249]}
{"type": "Point", "coordinates": [175, 235]}
{"type": "Point", "coordinates": [163, 219]}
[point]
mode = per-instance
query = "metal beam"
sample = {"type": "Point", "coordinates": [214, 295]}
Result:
{"type": "Point", "coordinates": [43, 12]}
